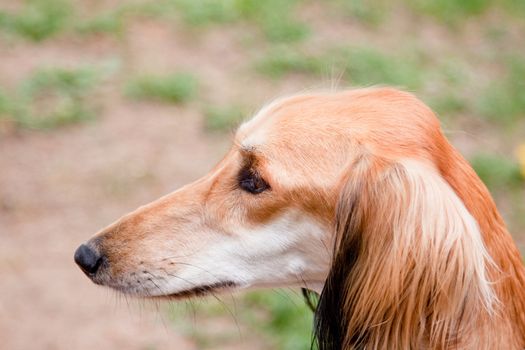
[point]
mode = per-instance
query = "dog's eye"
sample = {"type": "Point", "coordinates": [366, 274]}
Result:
{"type": "Point", "coordinates": [252, 182]}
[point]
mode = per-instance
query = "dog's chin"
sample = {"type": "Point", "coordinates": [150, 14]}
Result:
{"type": "Point", "coordinates": [194, 292]}
{"type": "Point", "coordinates": [200, 291]}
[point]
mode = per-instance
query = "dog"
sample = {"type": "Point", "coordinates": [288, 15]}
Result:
{"type": "Point", "coordinates": [354, 195]}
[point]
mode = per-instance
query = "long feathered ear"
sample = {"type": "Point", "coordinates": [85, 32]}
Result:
{"type": "Point", "coordinates": [409, 267]}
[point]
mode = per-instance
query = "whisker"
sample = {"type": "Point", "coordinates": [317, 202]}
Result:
{"type": "Point", "coordinates": [281, 293]}
{"type": "Point", "coordinates": [230, 312]}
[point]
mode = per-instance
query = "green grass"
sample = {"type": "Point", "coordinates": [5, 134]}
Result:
{"type": "Point", "coordinates": [447, 104]}
{"type": "Point", "coordinates": [172, 88]}
{"type": "Point", "coordinates": [5, 110]}
{"type": "Point", "coordinates": [281, 61]}
{"type": "Point", "coordinates": [5, 104]}
{"type": "Point", "coordinates": [454, 12]}
{"type": "Point", "coordinates": [52, 97]}
{"type": "Point", "coordinates": [506, 181]}
{"type": "Point", "coordinates": [206, 12]}
{"type": "Point", "coordinates": [504, 100]}
{"type": "Point", "coordinates": [278, 29]}
{"type": "Point", "coordinates": [360, 66]}
{"type": "Point", "coordinates": [366, 66]}
{"type": "Point", "coordinates": [57, 96]}
{"type": "Point", "coordinates": [279, 318]}
{"type": "Point", "coordinates": [451, 11]}
{"type": "Point", "coordinates": [497, 172]}
{"type": "Point", "coordinates": [112, 22]}
{"type": "Point", "coordinates": [115, 20]}
{"type": "Point", "coordinates": [41, 19]}
{"type": "Point", "coordinates": [275, 18]}
{"type": "Point", "coordinates": [515, 7]}
{"type": "Point", "coordinates": [369, 12]}
{"type": "Point", "coordinates": [288, 322]}
{"type": "Point", "coordinates": [37, 19]}
{"type": "Point", "coordinates": [447, 82]}
{"type": "Point", "coordinates": [223, 118]}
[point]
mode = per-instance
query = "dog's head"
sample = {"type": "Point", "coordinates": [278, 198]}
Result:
{"type": "Point", "coordinates": [345, 188]}
{"type": "Point", "coordinates": [263, 216]}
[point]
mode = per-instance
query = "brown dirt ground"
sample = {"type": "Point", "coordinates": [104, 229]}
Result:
{"type": "Point", "coordinates": [60, 188]}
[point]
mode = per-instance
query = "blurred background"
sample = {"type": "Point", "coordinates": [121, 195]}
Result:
{"type": "Point", "coordinates": [106, 105]}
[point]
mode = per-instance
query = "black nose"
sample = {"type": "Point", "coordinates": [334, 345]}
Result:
{"type": "Point", "coordinates": [88, 259]}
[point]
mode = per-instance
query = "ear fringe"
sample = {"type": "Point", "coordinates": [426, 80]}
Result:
{"type": "Point", "coordinates": [409, 268]}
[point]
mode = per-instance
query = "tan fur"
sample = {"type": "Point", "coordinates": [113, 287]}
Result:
{"type": "Point", "coordinates": [420, 277]}
{"type": "Point", "coordinates": [436, 266]}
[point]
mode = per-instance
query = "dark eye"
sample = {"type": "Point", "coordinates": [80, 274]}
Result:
{"type": "Point", "coordinates": [251, 181]}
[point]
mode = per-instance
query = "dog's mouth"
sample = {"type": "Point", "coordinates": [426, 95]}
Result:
{"type": "Point", "coordinates": [199, 291]}
{"type": "Point", "coordinates": [149, 285]}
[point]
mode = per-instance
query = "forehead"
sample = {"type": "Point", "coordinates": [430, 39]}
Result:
{"type": "Point", "coordinates": [383, 119]}
{"type": "Point", "coordinates": [298, 137]}
{"type": "Point", "coordinates": [267, 126]}
{"type": "Point", "coordinates": [302, 122]}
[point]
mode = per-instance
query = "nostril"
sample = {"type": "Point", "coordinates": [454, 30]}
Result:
{"type": "Point", "coordinates": [88, 259]}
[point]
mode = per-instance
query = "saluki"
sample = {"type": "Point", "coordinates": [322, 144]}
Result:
{"type": "Point", "coordinates": [355, 195]}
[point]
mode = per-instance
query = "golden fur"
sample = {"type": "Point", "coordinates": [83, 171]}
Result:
{"type": "Point", "coordinates": [421, 258]}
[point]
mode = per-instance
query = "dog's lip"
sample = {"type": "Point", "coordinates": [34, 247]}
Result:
{"type": "Point", "coordinates": [199, 290]}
